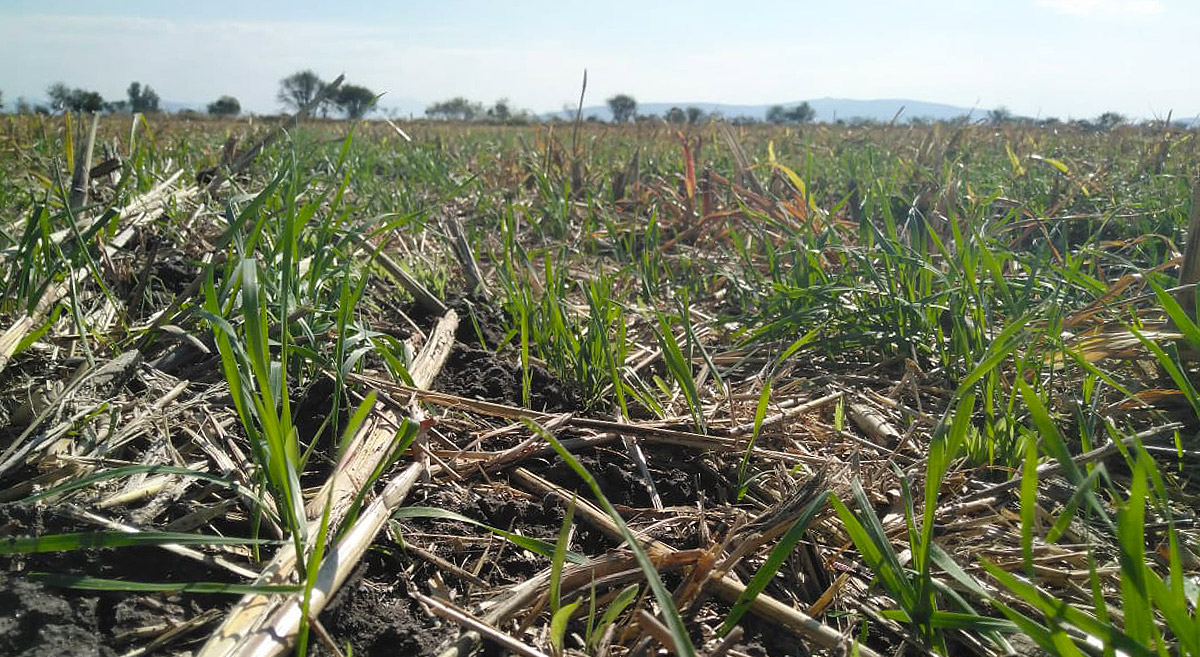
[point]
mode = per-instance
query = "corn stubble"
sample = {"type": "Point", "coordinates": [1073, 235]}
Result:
{"type": "Point", "coordinates": [864, 388]}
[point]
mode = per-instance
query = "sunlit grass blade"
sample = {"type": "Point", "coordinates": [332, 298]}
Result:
{"type": "Point", "coordinates": [876, 549]}
{"type": "Point", "coordinates": [1131, 519]}
{"type": "Point", "coordinates": [311, 568]}
{"type": "Point", "coordinates": [681, 370]}
{"type": "Point", "coordinates": [558, 558]}
{"type": "Point", "coordinates": [1059, 611]}
{"type": "Point", "coordinates": [1171, 363]}
{"type": "Point", "coordinates": [613, 612]}
{"type": "Point", "coordinates": [129, 470]}
{"type": "Point", "coordinates": [775, 559]}
{"type": "Point", "coordinates": [1029, 485]}
{"type": "Point", "coordinates": [1052, 442]}
{"type": "Point", "coordinates": [760, 413]}
{"type": "Point", "coordinates": [1179, 317]}
{"type": "Point", "coordinates": [558, 625]}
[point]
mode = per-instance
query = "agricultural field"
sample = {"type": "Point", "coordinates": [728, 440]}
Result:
{"type": "Point", "coordinates": [361, 388]}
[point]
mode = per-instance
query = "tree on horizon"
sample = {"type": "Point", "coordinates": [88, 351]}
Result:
{"type": "Point", "coordinates": [225, 106]}
{"type": "Point", "coordinates": [623, 108]}
{"type": "Point", "coordinates": [802, 113]}
{"type": "Point", "coordinates": [1110, 120]}
{"type": "Point", "coordinates": [78, 100]}
{"type": "Point", "coordinates": [1000, 115]}
{"type": "Point", "coordinates": [298, 89]}
{"type": "Point", "coordinates": [142, 99]}
{"type": "Point", "coordinates": [500, 111]}
{"type": "Point", "coordinates": [457, 108]}
{"type": "Point", "coordinates": [354, 100]}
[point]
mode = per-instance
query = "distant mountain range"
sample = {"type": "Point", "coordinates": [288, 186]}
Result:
{"type": "Point", "coordinates": [828, 109]}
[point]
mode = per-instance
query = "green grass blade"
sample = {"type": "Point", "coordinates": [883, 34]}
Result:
{"type": "Point", "coordinates": [1029, 485]}
{"type": "Point", "coordinates": [613, 612]}
{"type": "Point", "coordinates": [128, 470]}
{"type": "Point", "coordinates": [760, 413]}
{"type": "Point", "coordinates": [1059, 611]}
{"type": "Point", "coordinates": [767, 571]}
{"type": "Point", "coordinates": [558, 558]}
{"type": "Point", "coordinates": [558, 626]}
{"type": "Point", "coordinates": [683, 642]}
{"type": "Point", "coordinates": [114, 539]}
{"type": "Point", "coordinates": [881, 559]}
{"type": "Point", "coordinates": [1068, 513]}
{"type": "Point", "coordinates": [85, 583]}
{"type": "Point", "coordinates": [1131, 519]}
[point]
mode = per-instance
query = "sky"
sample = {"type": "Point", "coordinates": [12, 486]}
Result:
{"type": "Point", "coordinates": [1042, 58]}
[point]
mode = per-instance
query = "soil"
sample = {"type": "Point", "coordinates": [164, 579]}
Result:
{"type": "Point", "coordinates": [46, 622]}
{"type": "Point", "coordinates": [484, 375]}
{"type": "Point", "coordinates": [373, 611]}
{"type": "Point", "coordinates": [43, 620]}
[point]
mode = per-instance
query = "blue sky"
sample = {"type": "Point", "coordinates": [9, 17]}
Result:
{"type": "Point", "coordinates": [1065, 58]}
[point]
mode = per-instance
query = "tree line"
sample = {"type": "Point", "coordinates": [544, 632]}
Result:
{"type": "Point", "coordinates": [355, 101]}
{"type": "Point", "coordinates": [623, 108]}
{"type": "Point", "coordinates": [460, 108]}
{"type": "Point", "coordinates": [295, 91]}
{"type": "Point", "coordinates": [300, 88]}
{"type": "Point", "coordinates": [139, 98]}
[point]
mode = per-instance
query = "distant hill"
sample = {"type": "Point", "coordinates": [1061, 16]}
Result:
{"type": "Point", "coordinates": [828, 109]}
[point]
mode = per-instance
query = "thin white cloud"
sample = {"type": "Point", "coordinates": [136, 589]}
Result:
{"type": "Point", "coordinates": [1107, 8]}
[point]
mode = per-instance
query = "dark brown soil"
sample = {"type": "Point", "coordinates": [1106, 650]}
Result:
{"type": "Point", "coordinates": [38, 621]}
{"type": "Point", "coordinates": [44, 620]}
{"type": "Point", "coordinates": [479, 374]}
{"type": "Point", "coordinates": [374, 614]}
